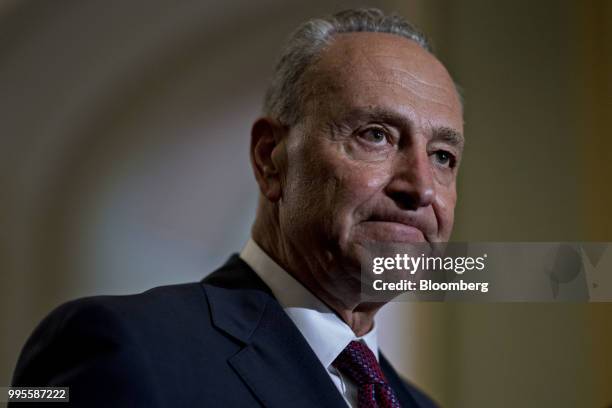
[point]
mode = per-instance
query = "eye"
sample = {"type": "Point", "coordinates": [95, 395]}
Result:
{"type": "Point", "coordinates": [374, 135]}
{"type": "Point", "coordinates": [444, 158]}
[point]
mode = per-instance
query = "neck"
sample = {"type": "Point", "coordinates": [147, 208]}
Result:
{"type": "Point", "coordinates": [339, 293]}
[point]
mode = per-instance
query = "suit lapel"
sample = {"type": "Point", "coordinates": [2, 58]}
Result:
{"type": "Point", "coordinates": [276, 362]}
{"type": "Point", "coordinates": [399, 387]}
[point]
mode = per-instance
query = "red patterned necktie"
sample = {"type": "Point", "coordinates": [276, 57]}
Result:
{"type": "Point", "coordinates": [359, 363]}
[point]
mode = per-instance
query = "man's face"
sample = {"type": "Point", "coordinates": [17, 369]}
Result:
{"type": "Point", "coordinates": [375, 156]}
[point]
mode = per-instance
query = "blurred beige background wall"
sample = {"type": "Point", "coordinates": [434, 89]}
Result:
{"type": "Point", "coordinates": [124, 131]}
{"type": "Point", "coordinates": [538, 89]}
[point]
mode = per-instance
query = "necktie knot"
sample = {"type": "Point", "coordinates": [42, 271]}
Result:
{"type": "Point", "coordinates": [359, 363]}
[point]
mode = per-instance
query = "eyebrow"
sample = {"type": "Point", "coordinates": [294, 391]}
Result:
{"type": "Point", "coordinates": [442, 133]}
{"type": "Point", "coordinates": [448, 135]}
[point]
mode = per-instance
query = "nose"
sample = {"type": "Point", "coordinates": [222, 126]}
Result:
{"type": "Point", "coordinates": [412, 182]}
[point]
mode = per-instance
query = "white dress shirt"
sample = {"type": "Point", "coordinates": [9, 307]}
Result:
{"type": "Point", "coordinates": [324, 331]}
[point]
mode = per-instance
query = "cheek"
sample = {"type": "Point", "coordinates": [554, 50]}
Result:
{"type": "Point", "coordinates": [347, 189]}
{"type": "Point", "coordinates": [357, 183]}
{"type": "Point", "coordinates": [327, 190]}
{"type": "Point", "coordinates": [444, 207]}
{"type": "Point", "coordinates": [356, 186]}
{"type": "Point", "coordinates": [332, 168]}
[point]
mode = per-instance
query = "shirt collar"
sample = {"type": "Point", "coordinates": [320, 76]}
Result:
{"type": "Point", "coordinates": [324, 331]}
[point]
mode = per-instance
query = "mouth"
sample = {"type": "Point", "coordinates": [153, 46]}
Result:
{"type": "Point", "coordinates": [392, 231]}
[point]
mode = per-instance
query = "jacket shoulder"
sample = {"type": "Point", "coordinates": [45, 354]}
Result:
{"type": "Point", "coordinates": [95, 345]}
{"type": "Point", "coordinates": [125, 313]}
{"type": "Point", "coordinates": [149, 349]}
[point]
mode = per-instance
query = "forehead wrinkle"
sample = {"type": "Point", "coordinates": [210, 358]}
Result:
{"type": "Point", "coordinates": [435, 84]}
{"type": "Point", "coordinates": [401, 84]}
{"type": "Point", "coordinates": [334, 76]}
{"type": "Point", "coordinates": [415, 78]}
{"type": "Point", "coordinates": [379, 71]}
{"type": "Point", "coordinates": [438, 97]}
{"type": "Point", "coordinates": [418, 60]}
{"type": "Point", "coordinates": [404, 75]}
{"type": "Point", "coordinates": [324, 99]}
{"type": "Point", "coordinates": [371, 63]}
{"type": "Point", "coordinates": [448, 92]}
{"type": "Point", "coordinates": [379, 113]}
{"type": "Point", "coordinates": [421, 60]}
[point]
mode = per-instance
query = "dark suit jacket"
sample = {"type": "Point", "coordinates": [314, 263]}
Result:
{"type": "Point", "coordinates": [223, 342]}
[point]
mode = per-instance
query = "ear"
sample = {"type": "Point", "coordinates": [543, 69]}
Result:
{"type": "Point", "coordinates": [267, 156]}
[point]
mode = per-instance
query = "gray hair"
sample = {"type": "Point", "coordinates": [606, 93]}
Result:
{"type": "Point", "coordinates": [284, 96]}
